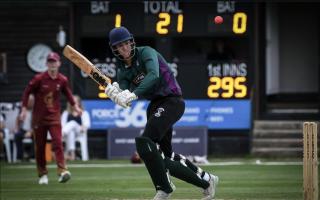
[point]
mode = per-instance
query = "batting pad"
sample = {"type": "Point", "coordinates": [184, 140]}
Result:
{"type": "Point", "coordinates": [153, 161]}
{"type": "Point", "coordinates": [183, 172]}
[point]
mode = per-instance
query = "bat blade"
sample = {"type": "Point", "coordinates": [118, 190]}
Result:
{"type": "Point", "coordinates": [85, 65]}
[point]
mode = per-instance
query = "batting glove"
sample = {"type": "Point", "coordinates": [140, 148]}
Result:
{"type": "Point", "coordinates": [112, 90]}
{"type": "Point", "coordinates": [125, 98]}
{"type": "Point", "coordinates": [116, 85]}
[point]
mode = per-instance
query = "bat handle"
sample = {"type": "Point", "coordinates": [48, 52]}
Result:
{"type": "Point", "coordinates": [106, 84]}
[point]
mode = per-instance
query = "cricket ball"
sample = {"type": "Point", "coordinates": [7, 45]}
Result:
{"type": "Point", "coordinates": [218, 20]}
{"type": "Point", "coordinates": [135, 158]}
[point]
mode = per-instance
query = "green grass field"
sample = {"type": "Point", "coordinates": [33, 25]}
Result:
{"type": "Point", "coordinates": [101, 180]}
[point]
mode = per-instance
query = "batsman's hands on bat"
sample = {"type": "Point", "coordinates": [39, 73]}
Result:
{"type": "Point", "coordinates": [115, 84]}
{"type": "Point", "coordinates": [125, 98]}
{"type": "Point", "coordinates": [112, 90]}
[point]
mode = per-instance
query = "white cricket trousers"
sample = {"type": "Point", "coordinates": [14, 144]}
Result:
{"type": "Point", "coordinates": [70, 131]}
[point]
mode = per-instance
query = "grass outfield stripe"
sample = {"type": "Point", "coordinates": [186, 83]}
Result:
{"type": "Point", "coordinates": [84, 165]}
{"type": "Point", "coordinates": [239, 180]}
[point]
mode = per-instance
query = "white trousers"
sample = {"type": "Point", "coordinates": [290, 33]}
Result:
{"type": "Point", "coordinates": [70, 131]}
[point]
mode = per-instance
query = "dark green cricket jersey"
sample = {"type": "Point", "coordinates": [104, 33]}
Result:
{"type": "Point", "coordinates": [149, 75]}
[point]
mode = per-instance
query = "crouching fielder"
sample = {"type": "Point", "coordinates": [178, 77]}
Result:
{"type": "Point", "coordinates": [142, 72]}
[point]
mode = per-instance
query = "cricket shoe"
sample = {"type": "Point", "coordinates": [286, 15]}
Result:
{"type": "Point", "coordinates": [43, 180]}
{"type": "Point", "coordinates": [64, 177]}
{"type": "Point", "coordinates": [211, 190]}
{"type": "Point", "coordinates": [161, 195]}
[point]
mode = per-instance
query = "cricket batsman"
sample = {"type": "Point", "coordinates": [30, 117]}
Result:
{"type": "Point", "coordinates": [142, 72]}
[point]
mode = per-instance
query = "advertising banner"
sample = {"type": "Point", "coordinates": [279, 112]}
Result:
{"type": "Point", "coordinates": [213, 114]}
{"type": "Point", "coordinates": [185, 140]}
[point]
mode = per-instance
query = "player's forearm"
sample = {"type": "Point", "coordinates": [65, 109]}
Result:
{"type": "Point", "coordinates": [68, 94]}
{"type": "Point", "coordinates": [23, 109]}
{"type": "Point", "coordinates": [23, 113]}
{"type": "Point", "coordinates": [31, 88]}
{"type": "Point", "coordinates": [148, 82]}
{"type": "Point", "coordinates": [25, 96]}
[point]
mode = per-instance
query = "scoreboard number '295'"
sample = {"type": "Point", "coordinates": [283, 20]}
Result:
{"type": "Point", "coordinates": [227, 87]}
{"type": "Point", "coordinates": [228, 80]}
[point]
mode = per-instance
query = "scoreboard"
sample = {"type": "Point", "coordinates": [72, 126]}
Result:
{"type": "Point", "coordinates": [175, 18]}
{"type": "Point", "coordinates": [210, 61]}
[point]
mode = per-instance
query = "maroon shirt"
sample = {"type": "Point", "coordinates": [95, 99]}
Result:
{"type": "Point", "coordinates": [47, 108]}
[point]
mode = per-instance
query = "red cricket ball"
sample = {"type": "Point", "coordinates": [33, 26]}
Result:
{"type": "Point", "coordinates": [218, 20]}
{"type": "Point", "coordinates": [135, 158]}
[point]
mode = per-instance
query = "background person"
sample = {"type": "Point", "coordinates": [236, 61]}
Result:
{"type": "Point", "coordinates": [47, 87]}
{"type": "Point", "coordinates": [24, 129]}
{"type": "Point", "coordinates": [2, 134]}
{"type": "Point", "coordinates": [74, 125]}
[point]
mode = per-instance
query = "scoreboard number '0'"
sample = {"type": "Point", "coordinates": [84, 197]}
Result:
{"type": "Point", "coordinates": [227, 87]}
{"type": "Point", "coordinates": [239, 24]}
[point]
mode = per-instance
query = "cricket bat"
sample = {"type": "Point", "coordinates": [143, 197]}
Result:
{"type": "Point", "coordinates": [86, 66]}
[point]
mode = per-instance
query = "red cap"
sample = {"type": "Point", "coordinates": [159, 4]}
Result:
{"type": "Point", "coordinates": [53, 56]}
